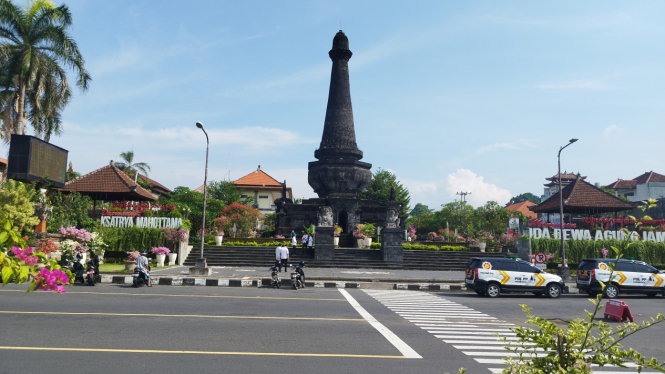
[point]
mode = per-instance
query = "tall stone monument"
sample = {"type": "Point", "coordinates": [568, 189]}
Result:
{"type": "Point", "coordinates": [338, 176]}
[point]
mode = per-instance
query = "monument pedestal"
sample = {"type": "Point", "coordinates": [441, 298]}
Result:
{"type": "Point", "coordinates": [200, 268]}
{"type": "Point", "coordinates": [391, 244]}
{"type": "Point", "coordinates": [324, 240]}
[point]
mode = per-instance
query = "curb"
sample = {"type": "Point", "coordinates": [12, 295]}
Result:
{"type": "Point", "coordinates": [214, 282]}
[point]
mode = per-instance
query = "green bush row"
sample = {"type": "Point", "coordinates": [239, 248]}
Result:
{"type": "Point", "coordinates": [577, 250]}
{"type": "Point", "coordinates": [132, 238]}
{"type": "Point", "coordinates": [425, 247]}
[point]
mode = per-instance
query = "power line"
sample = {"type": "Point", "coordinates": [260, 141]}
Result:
{"type": "Point", "coordinates": [463, 195]}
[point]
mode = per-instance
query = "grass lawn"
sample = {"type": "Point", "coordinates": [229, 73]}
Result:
{"type": "Point", "coordinates": [105, 268]}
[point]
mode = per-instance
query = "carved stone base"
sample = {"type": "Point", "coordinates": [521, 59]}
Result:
{"type": "Point", "coordinates": [324, 248]}
{"type": "Point", "coordinates": [391, 244]}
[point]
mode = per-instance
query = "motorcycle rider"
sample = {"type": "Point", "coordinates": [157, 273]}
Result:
{"type": "Point", "coordinates": [144, 267]}
{"type": "Point", "coordinates": [77, 267]}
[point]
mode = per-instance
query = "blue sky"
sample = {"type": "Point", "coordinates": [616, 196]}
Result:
{"type": "Point", "coordinates": [450, 96]}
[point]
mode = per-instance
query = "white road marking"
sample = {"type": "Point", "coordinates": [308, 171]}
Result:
{"type": "Point", "coordinates": [467, 329]}
{"type": "Point", "coordinates": [404, 348]}
{"type": "Point", "coordinates": [482, 342]}
{"type": "Point", "coordinates": [483, 347]}
{"type": "Point", "coordinates": [469, 333]}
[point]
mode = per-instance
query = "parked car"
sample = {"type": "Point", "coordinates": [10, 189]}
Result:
{"type": "Point", "coordinates": [492, 276]}
{"type": "Point", "coordinates": [630, 276]}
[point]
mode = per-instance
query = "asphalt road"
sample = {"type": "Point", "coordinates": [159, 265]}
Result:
{"type": "Point", "coordinates": [116, 329]}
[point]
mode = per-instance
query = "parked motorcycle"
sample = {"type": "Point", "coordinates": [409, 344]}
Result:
{"type": "Point", "coordinates": [91, 272]}
{"type": "Point", "coordinates": [298, 276]}
{"type": "Point", "coordinates": [77, 269]}
{"type": "Point", "coordinates": [275, 281]}
{"type": "Point", "coordinates": [140, 277]}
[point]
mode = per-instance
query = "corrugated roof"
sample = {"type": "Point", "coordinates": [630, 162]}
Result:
{"type": "Point", "coordinates": [110, 180]}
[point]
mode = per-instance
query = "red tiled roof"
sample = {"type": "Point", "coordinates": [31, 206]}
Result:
{"type": "Point", "coordinates": [257, 178]}
{"type": "Point", "coordinates": [154, 183]}
{"type": "Point", "coordinates": [565, 175]}
{"type": "Point", "coordinates": [3, 161]}
{"type": "Point", "coordinates": [623, 184]}
{"type": "Point", "coordinates": [524, 208]}
{"type": "Point", "coordinates": [108, 180]}
{"type": "Point", "coordinates": [650, 177]}
{"type": "Point", "coordinates": [582, 197]}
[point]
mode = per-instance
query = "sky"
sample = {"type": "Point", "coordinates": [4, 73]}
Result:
{"type": "Point", "coordinates": [450, 96]}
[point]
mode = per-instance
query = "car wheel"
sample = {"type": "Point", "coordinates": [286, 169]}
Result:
{"type": "Point", "coordinates": [493, 290]}
{"type": "Point", "coordinates": [480, 292]}
{"type": "Point", "coordinates": [652, 294]}
{"type": "Point", "coordinates": [611, 291]}
{"type": "Point", "coordinates": [553, 290]}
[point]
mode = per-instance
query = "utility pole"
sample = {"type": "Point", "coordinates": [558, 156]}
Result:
{"type": "Point", "coordinates": [463, 195]}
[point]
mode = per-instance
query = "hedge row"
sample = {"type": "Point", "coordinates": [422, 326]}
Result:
{"type": "Point", "coordinates": [577, 250]}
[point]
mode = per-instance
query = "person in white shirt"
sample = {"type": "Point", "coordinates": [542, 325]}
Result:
{"type": "Point", "coordinates": [305, 238]}
{"type": "Point", "coordinates": [294, 240]}
{"type": "Point", "coordinates": [278, 257]}
{"type": "Point", "coordinates": [310, 241]}
{"type": "Point", "coordinates": [284, 256]}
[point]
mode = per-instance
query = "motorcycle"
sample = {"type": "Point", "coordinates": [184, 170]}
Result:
{"type": "Point", "coordinates": [298, 276]}
{"type": "Point", "coordinates": [77, 269]}
{"type": "Point", "coordinates": [140, 277]}
{"type": "Point", "coordinates": [275, 281]}
{"type": "Point", "coordinates": [91, 272]}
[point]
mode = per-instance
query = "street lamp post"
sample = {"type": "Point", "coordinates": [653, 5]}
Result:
{"type": "Point", "coordinates": [564, 271]}
{"type": "Point", "coordinates": [201, 267]}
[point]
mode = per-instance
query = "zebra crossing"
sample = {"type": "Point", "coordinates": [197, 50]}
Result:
{"type": "Point", "coordinates": [474, 333]}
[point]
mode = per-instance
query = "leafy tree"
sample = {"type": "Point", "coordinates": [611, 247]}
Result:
{"type": "Point", "coordinates": [16, 206]}
{"type": "Point", "coordinates": [228, 193]}
{"type": "Point", "coordinates": [184, 197]}
{"type": "Point", "coordinates": [130, 167]}
{"type": "Point", "coordinates": [420, 209]}
{"type": "Point", "coordinates": [378, 189]}
{"type": "Point", "coordinates": [34, 86]}
{"type": "Point", "coordinates": [613, 193]}
{"type": "Point", "coordinates": [243, 216]}
{"type": "Point", "coordinates": [524, 197]}
{"type": "Point", "coordinates": [70, 210]}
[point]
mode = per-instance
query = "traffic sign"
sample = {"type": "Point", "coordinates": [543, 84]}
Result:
{"type": "Point", "coordinates": [542, 267]}
{"type": "Point", "coordinates": [540, 258]}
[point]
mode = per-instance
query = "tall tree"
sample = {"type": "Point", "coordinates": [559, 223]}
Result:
{"type": "Point", "coordinates": [378, 189]}
{"type": "Point", "coordinates": [130, 168]}
{"type": "Point", "coordinates": [228, 193]}
{"type": "Point", "coordinates": [34, 45]}
{"type": "Point", "coordinates": [524, 197]}
{"type": "Point", "coordinates": [420, 209]}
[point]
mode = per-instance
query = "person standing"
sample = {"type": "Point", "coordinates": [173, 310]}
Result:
{"type": "Point", "coordinates": [278, 256]}
{"type": "Point", "coordinates": [310, 241]}
{"type": "Point", "coordinates": [284, 256]}
{"type": "Point", "coordinates": [305, 238]}
{"type": "Point", "coordinates": [294, 240]}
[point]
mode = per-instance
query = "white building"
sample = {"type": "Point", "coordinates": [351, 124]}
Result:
{"type": "Point", "coordinates": [649, 185]}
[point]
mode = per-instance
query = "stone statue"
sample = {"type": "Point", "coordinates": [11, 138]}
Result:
{"type": "Point", "coordinates": [392, 218]}
{"type": "Point", "coordinates": [325, 216]}
{"type": "Point", "coordinates": [392, 193]}
{"type": "Point", "coordinates": [284, 189]}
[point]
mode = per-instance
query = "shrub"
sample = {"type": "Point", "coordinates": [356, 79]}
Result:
{"type": "Point", "coordinates": [577, 250]}
{"type": "Point", "coordinates": [16, 206]}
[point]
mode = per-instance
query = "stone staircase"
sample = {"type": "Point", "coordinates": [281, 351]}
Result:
{"type": "Point", "coordinates": [344, 258]}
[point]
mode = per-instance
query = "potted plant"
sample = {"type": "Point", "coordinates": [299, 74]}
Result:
{"type": "Point", "coordinates": [130, 264]}
{"type": "Point", "coordinates": [368, 230]}
{"type": "Point", "coordinates": [218, 229]}
{"type": "Point", "coordinates": [161, 253]}
{"type": "Point", "coordinates": [337, 232]}
{"type": "Point", "coordinates": [359, 235]}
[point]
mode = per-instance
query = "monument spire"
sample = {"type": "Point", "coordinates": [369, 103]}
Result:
{"type": "Point", "coordinates": [339, 135]}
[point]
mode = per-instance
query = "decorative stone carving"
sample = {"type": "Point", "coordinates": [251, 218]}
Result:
{"type": "Point", "coordinates": [325, 216]}
{"type": "Point", "coordinates": [43, 211]}
{"type": "Point", "coordinates": [392, 217]}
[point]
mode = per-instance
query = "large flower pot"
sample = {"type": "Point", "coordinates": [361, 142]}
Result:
{"type": "Point", "coordinates": [336, 241]}
{"type": "Point", "coordinates": [172, 257]}
{"type": "Point", "coordinates": [218, 239]}
{"type": "Point", "coordinates": [130, 265]}
{"type": "Point", "coordinates": [160, 260]}
{"type": "Point", "coordinates": [361, 243]}
{"type": "Point", "coordinates": [482, 246]}
{"type": "Point", "coordinates": [368, 242]}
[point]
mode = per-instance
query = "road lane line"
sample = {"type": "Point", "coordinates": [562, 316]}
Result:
{"type": "Point", "coordinates": [183, 316]}
{"type": "Point", "coordinates": [166, 295]}
{"type": "Point", "coordinates": [406, 350]}
{"type": "Point", "coordinates": [60, 349]}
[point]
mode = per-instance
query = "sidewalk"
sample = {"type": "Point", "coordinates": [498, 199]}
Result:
{"type": "Point", "coordinates": [315, 277]}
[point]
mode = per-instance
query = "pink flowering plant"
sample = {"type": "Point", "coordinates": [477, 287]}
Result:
{"type": "Point", "coordinates": [79, 235]}
{"type": "Point", "coordinates": [132, 256]}
{"type": "Point", "coordinates": [218, 225]}
{"type": "Point", "coordinates": [358, 234]}
{"type": "Point", "coordinates": [160, 251]}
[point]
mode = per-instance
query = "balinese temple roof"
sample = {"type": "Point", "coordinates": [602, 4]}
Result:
{"type": "Point", "coordinates": [108, 183]}
{"type": "Point", "coordinates": [565, 177]}
{"type": "Point", "coordinates": [581, 197]}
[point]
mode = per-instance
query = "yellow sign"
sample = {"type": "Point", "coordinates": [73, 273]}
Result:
{"type": "Point", "coordinates": [659, 280]}
{"type": "Point", "coordinates": [622, 278]}
{"type": "Point", "coordinates": [541, 280]}
{"type": "Point", "coordinates": [504, 277]}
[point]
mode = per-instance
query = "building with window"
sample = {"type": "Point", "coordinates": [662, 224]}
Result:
{"type": "Point", "coordinates": [264, 188]}
{"type": "Point", "coordinates": [649, 185]}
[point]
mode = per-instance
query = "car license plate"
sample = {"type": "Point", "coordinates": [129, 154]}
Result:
{"type": "Point", "coordinates": [469, 281]}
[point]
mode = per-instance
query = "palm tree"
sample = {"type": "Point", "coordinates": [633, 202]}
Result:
{"type": "Point", "coordinates": [130, 167]}
{"type": "Point", "coordinates": [33, 84]}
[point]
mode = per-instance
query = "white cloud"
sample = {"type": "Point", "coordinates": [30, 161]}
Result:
{"type": "Point", "coordinates": [464, 180]}
{"type": "Point", "coordinates": [612, 130]}
{"type": "Point", "coordinates": [517, 144]}
{"type": "Point", "coordinates": [590, 85]}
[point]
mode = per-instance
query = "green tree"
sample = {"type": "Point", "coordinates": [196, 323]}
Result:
{"type": "Point", "coordinates": [70, 210]}
{"type": "Point", "coordinates": [16, 206]}
{"type": "Point", "coordinates": [613, 193]}
{"type": "Point", "coordinates": [35, 45]}
{"type": "Point", "coordinates": [184, 197]}
{"type": "Point", "coordinates": [228, 193]}
{"type": "Point", "coordinates": [378, 189]}
{"type": "Point", "coordinates": [420, 209]}
{"type": "Point", "coordinates": [130, 168]}
{"type": "Point", "coordinates": [524, 197]}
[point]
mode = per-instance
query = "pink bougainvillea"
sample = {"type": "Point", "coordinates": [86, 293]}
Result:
{"type": "Point", "coordinates": [73, 233]}
{"type": "Point", "coordinates": [25, 256]}
{"type": "Point", "coordinates": [160, 250]}
{"type": "Point", "coordinates": [51, 280]}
